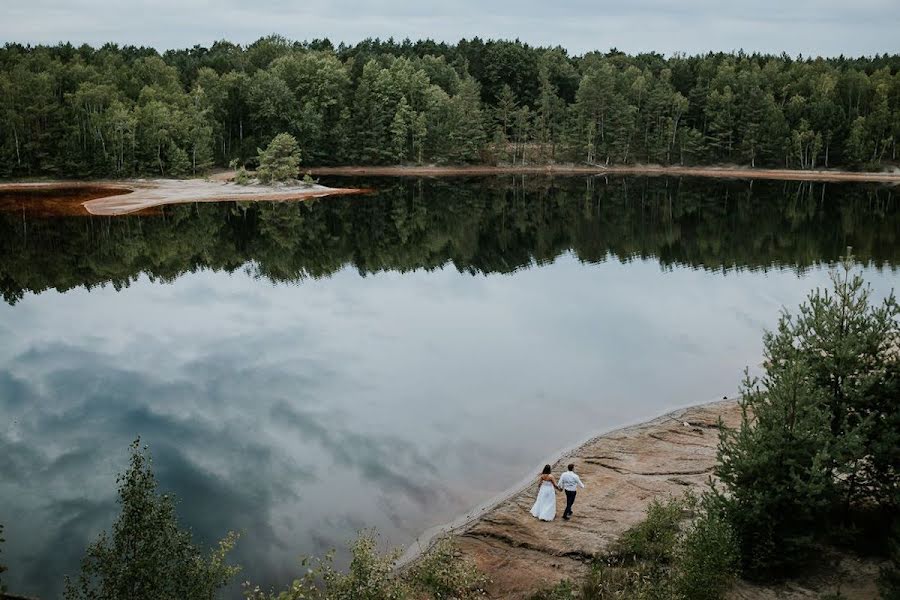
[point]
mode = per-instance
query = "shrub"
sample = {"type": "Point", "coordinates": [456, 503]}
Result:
{"type": "Point", "coordinates": [241, 176]}
{"type": "Point", "coordinates": [655, 538]}
{"type": "Point", "coordinates": [280, 161]}
{"type": "Point", "coordinates": [662, 558]}
{"type": "Point", "coordinates": [707, 558]}
{"type": "Point", "coordinates": [147, 556]}
{"type": "Point", "coordinates": [442, 574]}
{"type": "Point", "coordinates": [608, 580]}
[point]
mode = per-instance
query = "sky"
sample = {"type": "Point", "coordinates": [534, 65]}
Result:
{"type": "Point", "coordinates": [808, 27]}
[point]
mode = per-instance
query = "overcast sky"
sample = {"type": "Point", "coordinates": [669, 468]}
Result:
{"type": "Point", "coordinates": [810, 27]}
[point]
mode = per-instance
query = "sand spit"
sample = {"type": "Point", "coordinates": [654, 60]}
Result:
{"type": "Point", "coordinates": [113, 198]}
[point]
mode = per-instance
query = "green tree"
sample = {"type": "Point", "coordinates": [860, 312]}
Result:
{"type": "Point", "coordinates": [280, 161]}
{"type": "Point", "coordinates": [818, 435]}
{"type": "Point", "coordinates": [466, 123]}
{"type": "Point", "coordinates": [720, 122]}
{"type": "Point", "coordinates": [147, 556]}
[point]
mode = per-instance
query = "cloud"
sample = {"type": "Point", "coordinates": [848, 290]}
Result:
{"type": "Point", "coordinates": [826, 27]}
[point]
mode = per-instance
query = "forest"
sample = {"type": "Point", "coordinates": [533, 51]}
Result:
{"type": "Point", "coordinates": [82, 112]}
{"type": "Point", "coordinates": [479, 226]}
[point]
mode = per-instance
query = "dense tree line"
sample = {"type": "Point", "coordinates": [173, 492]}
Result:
{"type": "Point", "coordinates": [123, 111]}
{"type": "Point", "coordinates": [492, 225]}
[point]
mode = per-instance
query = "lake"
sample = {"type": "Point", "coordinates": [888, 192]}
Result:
{"type": "Point", "coordinates": [301, 371]}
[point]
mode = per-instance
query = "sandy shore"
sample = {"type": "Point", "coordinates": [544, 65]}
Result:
{"type": "Point", "coordinates": [649, 170]}
{"type": "Point", "coordinates": [623, 470]}
{"type": "Point", "coordinates": [111, 198]}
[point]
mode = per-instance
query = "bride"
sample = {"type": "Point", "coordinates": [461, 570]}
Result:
{"type": "Point", "coordinates": [545, 506]}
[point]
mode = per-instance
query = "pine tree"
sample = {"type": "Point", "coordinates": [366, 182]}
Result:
{"type": "Point", "coordinates": [819, 431]}
{"type": "Point", "coordinates": [147, 556]}
{"type": "Point", "coordinates": [280, 161]}
{"type": "Point", "coordinates": [466, 123]}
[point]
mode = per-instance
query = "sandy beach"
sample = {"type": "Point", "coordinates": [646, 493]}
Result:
{"type": "Point", "coordinates": [113, 198]}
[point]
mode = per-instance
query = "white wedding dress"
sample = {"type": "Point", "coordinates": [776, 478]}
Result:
{"type": "Point", "coordinates": [545, 506]}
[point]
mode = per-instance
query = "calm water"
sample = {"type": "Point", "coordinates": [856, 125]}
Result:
{"type": "Point", "coordinates": [302, 371]}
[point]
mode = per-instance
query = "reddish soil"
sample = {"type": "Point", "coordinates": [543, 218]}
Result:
{"type": "Point", "coordinates": [81, 199]}
{"type": "Point", "coordinates": [53, 200]}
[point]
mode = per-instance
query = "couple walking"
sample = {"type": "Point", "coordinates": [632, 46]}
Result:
{"type": "Point", "coordinates": [545, 506]}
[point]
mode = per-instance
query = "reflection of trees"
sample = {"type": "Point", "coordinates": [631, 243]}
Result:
{"type": "Point", "coordinates": [480, 226]}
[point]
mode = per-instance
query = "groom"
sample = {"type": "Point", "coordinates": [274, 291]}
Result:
{"type": "Point", "coordinates": [569, 481]}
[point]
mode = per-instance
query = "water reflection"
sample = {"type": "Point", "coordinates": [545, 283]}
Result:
{"type": "Point", "coordinates": [494, 225]}
{"type": "Point", "coordinates": [299, 413]}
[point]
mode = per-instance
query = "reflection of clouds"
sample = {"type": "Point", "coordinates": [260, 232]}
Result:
{"type": "Point", "coordinates": [66, 437]}
{"type": "Point", "coordinates": [389, 462]}
{"type": "Point", "coordinates": [303, 422]}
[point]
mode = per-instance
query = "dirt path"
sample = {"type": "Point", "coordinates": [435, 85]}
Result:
{"type": "Point", "coordinates": [112, 198]}
{"type": "Point", "coordinates": [721, 172]}
{"type": "Point", "coordinates": [623, 471]}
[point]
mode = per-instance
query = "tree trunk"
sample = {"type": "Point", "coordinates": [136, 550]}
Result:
{"type": "Point", "coordinates": [18, 156]}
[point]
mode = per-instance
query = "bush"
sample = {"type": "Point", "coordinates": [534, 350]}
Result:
{"type": "Point", "coordinates": [663, 558]}
{"type": "Point", "coordinates": [440, 574]}
{"type": "Point", "coordinates": [655, 538]}
{"type": "Point", "coordinates": [608, 580]}
{"type": "Point", "coordinates": [148, 557]}
{"type": "Point", "coordinates": [280, 161]}
{"type": "Point", "coordinates": [707, 558]}
{"type": "Point", "coordinates": [241, 176]}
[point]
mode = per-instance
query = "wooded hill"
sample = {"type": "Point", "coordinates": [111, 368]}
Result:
{"type": "Point", "coordinates": [69, 111]}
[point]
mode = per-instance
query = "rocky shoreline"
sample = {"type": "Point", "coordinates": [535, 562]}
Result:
{"type": "Point", "coordinates": [623, 470]}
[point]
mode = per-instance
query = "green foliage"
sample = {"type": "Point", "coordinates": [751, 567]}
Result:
{"type": "Point", "coordinates": [440, 574]}
{"type": "Point", "coordinates": [179, 163]}
{"type": "Point", "coordinates": [242, 176]}
{"type": "Point", "coordinates": [415, 224]}
{"type": "Point", "coordinates": [609, 579]}
{"type": "Point", "coordinates": [667, 556]}
{"type": "Point", "coordinates": [147, 556]}
{"type": "Point", "coordinates": [819, 431]}
{"type": "Point", "coordinates": [707, 558]}
{"type": "Point", "coordinates": [654, 539]}
{"type": "Point", "coordinates": [280, 160]}
{"type": "Point", "coordinates": [443, 574]}
{"type": "Point", "coordinates": [889, 580]}
{"type": "Point", "coordinates": [107, 112]}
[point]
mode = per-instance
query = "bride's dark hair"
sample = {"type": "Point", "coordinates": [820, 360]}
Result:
{"type": "Point", "coordinates": [547, 469]}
